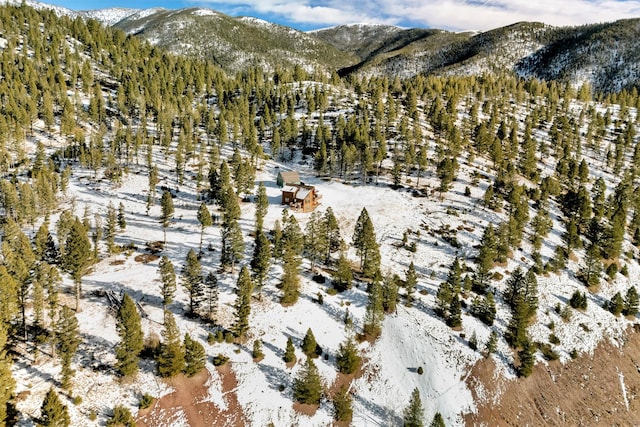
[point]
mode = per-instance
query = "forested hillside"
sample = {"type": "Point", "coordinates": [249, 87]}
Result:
{"type": "Point", "coordinates": [145, 246]}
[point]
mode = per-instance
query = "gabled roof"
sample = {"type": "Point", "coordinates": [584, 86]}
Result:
{"type": "Point", "coordinates": [290, 177]}
{"type": "Point", "coordinates": [303, 193]}
{"type": "Point", "coordinates": [289, 189]}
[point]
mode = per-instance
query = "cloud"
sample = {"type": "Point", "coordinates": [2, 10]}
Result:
{"type": "Point", "coordinates": [447, 14]}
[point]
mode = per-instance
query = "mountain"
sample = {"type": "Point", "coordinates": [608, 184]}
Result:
{"type": "Point", "coordinates": [604, 55]}
{"type": "Point", "coordinates": [232, 43]}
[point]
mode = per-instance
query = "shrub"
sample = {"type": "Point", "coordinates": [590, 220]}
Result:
{"type": "Point", "coordinates": [420, 370]}
{"type": "Point", "coordinates": [220, 360]}
{"type": "Point", "coordinates": [146, 401]}
{"type": "Point", "coordinates": [578, 300]}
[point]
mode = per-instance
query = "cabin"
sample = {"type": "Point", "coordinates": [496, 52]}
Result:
{"type": "Point", "coordinates": [288, 178]}
{"type": "Point", "coordinates": [301, 197]}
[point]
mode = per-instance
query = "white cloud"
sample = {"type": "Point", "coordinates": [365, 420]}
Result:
{"type": "Point", "coordinates": [448, 14]}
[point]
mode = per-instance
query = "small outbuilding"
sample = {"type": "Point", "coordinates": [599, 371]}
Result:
{"type": "Point", "coordinates": [288, 178]}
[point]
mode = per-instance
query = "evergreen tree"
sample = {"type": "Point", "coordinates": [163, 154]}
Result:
{"type": "Point", "coordinates": [364, 240]}
{"type": "Point", "coordinates": [68, 339]}
{"type": "Point", "coordinates": [631, 301]}
{"type": "Point", "coordinates": [167, 211]}
{"type": "Point", "coordinates": [77, 256]}
{"type": "Point", "coordinates": [347, 358]}
{"type": "Point", "coordinates": [307, 387]}
{"type": "Point", "coordinates": [410, 283]}
{"type": "Point", "coordinates": [262, 206]}
{"type": "Point", "coordinates": [374, 312]}
{"type": "Point", "coordinates": [332, 233]}
{"type": "Point", "coordinates": [616, 304]}
{"type": "Point", "coordinates": [131, 337]}
{"type": "Point", "coordinates": [492, 344]}
{"type": "Point", "coordinates": [455, 313]}
{"type": "Point", "coordinates": [170, 359]}
{"type": "Point", "coordinates": [437, 421]}
{"type": "Point", "coordinates": [192, 281]}
{"type": "Point", "coordinates": [195, 356]}
{"type": "Point", "coordinates": [309, 345]}
{"type": "Point", "coordinates": [257, 353]}
{"type": "Point", "coordinates": [390, 293]}
{"type": "Point", "coordinates": [342, 406]}
{"type": "Point", "coordinates": [343, 276]}
{"type": "Point", "coordinates": [242, 306]}
{"type": "Point", "coordinates": [527, 358]}
{"type": "Point", "coordinates": [44, 246]}
{"type": "Point", "coordinates": [52, 412]}
{"type": "Point", "coordinates": [121, 417]}
{"type": "Point", "coordinates": [204, 217]}
{"type": "Point", "coordinates": [111, 227]}
{"type": "Point", "coordinates": [485, 260]}
{"type": "Point", "coordinates": [7, 383]}
{"type": "Point", "coordinates": [290, 278]}
{"type": "Point", "coordinates": [211, 296]}
{"type": "Point", "coordinates": [413, 413]}
{"type": "Point", "coordinates": [290, 352]}
{"type": "Point", "coordinates": [260, 261]}
{"type": "Point", "coordinates": [167, 280]}
{"type": "Point", "coordinates": [122, 221]}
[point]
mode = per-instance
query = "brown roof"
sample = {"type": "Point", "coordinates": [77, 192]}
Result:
{"type": "Point", "coordinates": [290, 177]}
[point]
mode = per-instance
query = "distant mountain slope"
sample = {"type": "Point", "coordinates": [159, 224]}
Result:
{"type": "Point", "coordinates": [604, 55]}
{"type": "Point", "coordinates": [109, 16]}
{"type": "Point", "coordinates": [233, 43]}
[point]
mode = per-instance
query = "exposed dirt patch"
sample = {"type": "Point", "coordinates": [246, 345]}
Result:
{"type": "Point", "coordinates": [190, 401]}
{"type": "Point", "coordinates": [308, 410]}
{"type": "Point", "coordinates": [598, 390]}
{"type": "Point", "coordinates": [146, 258]}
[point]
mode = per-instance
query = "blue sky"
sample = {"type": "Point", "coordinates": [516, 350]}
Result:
{"type": "Point", "coordinates": [445, 14]}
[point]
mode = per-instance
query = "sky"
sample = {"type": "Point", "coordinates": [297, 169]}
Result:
{"type": "Point", "coordinates": [454, 15]}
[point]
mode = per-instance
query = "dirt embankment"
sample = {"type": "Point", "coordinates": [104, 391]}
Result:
{"type": "Point", "coordinates": [602, 389]}
{"type": "Point", "coordinates": [189, 403]}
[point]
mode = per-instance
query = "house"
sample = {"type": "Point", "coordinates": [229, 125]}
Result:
{"type": "Point", "coordinates": [288, 178]}
{"type": "Point", "coordinates": [301, 197]}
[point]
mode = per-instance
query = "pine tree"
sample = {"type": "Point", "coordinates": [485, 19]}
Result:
{"type": "Point", "coordinates": [170, 359]}
{"type": "Point", "coordinates": [167, 211]}
{"type": "Point", "coordinates": [343, 276]}
{"type": "Point", "coordinates": [307, 387]}
{"type": "Point", "coordinates": [527, 358]}
{"type": "Point", "coordinates": [121, 417]}
{"type": "Point", "coordinates": [410, 283]}
{"type": "Point", "coordinates": [262, 206]}
{"type": "Point", "coordinates": [211, 296]}
{"type": "Point", "coordinates": [53, 412]}
{"type": "Point", "coordinates": [437, 421]}
{"type": "Point", "coordinates": [192, 281]}
{"type": "Point", "coordinates": [374, 312]}
{"type": "Point", "coordinates": [242, 306]}
{"type": "Point", "coordinates": [111, 226]}
{"type": "Point", "coordinates": [455, 313]}
{"type": "Point", "coordinates": [364, 240]}
{"type": "Point", "coordinates": [414, 414]}
{"type": "Point", "coordinates": [347, 358]}
{"type": "Point", "coordinates": [167, 280]}
{"type": "Point", "coordinates": [290, 278]}
{"type": "Point", "coordinates": [7, 383]}
{"type": "Point", "coordinates": [257, 353]}
{"type": "Point", "coordinates": [68, 339]}
{"type": "Point", "coordinates": [309, 345]}
{"type": "Point", "coordinates": [122, 220]}
{"type": "Point", "coordinates": [332, 232]}
{"type": "Point", "coordinates": [492, 344]}
{"type": "Point", "coordinates": [290, 352]}
{"type": "Point", "coordinates": [77, 255]}
{"type": "Point", "coordinates": [195, 356]}
{"type": "Point", "coordinates": [631, 301]}
{"type": "Point", "coordinates": [44, 246]}
{"type": "Point", "coordinates": [390, 293]}
{"type": "Point", "coordinates": [131, 337]}
{"type": "Point", "coordinates": [342, 406]}
{"type": "Point", "coordinates": [204, 217]}
{"type": "Point", "coordinates": [260, 261]}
